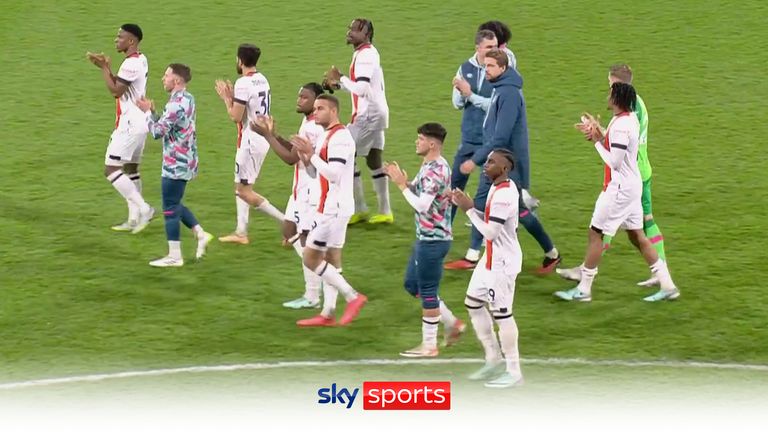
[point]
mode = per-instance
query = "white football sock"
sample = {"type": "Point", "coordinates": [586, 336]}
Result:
{"type": "Point", "coordinates": [174, 249]}
{"type": "Point", "coordinates": [508, 334]}
{"type": "Point", "coordinates": [472, 255]}
{"type": "Point", "coordinates": [133, 210]}
{"type": "Point", "coordinates": [448, 318]}
{"type": "Point", "coordinates": [329, 300]}
{"type": "Point", "coordinates": [661, 271]}
{"type": "Point", "coordinates": [587, 277]}
{"type": "Point", "coordinates": [243, 215]}
{"type": "Point", "coordinates": [136, 179]}
{"type": "Point", "coordinates": [312, 284]}
{"type": "Point", "coordinates": [381, 186]}
{"type": "Point", "coordinates": [269, 209]}
{"type": "Point", "coordinates": [198, 231]}
{"type": "Point", "coordinates": [552, 254]}
{"type": "Point", "coordinates": [331, 276]}
{"type": "Point", "coordinates": [127, 189]}
{"type": "Point", "coordinates": [429, 327]}
{"type": "Point", "coordinates": [359, 193]}
{"type": "Point", "coordinates": [483, 325]}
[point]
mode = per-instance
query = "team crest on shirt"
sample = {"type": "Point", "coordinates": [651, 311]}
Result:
{"type": "Point", "coordinates": [469, 75]}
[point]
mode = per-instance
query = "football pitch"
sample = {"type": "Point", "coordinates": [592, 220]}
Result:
{"type": "Point", "coordinates": [78, 298]}
{"type": "Point", "coordinates": [597, 394]}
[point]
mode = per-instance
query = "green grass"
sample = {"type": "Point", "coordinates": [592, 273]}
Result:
{"type": "Point", "coordinates": [557, 384]}
{"type": "Point", "coordinates": [78, 298]}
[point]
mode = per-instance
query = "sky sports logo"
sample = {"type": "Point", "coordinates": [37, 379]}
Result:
{"type": "Point", "coordinates": [391, 395]}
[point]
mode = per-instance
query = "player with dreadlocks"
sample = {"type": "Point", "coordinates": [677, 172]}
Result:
{"type": "Point", "coordinates": [302, 203]}
{"type": "Point", "coordinates": [619, 204]}
{"type": "Point", "coordinates": [370, 117]}
{"type": "Point", "coordinates": [491, 290]}
{"type": "Point", "coordinates": [623, 73]}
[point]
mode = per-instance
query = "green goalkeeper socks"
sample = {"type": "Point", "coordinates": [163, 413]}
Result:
{"type": "Point", "coordinates": [653, 233]}
{"type": "Point", "coordinates": [606, 243]}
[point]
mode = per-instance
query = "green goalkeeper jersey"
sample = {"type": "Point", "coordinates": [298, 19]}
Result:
{"type": "Point", "coordinates": [642, 154]}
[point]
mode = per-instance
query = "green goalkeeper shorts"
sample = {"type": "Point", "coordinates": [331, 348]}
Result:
{"type": "Point", "coordinates": [646, 198]}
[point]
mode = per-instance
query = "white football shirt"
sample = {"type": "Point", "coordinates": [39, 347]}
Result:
{"type": "Point", "coordinates": [337, 148]}
{"type": "Point", "coordinates": [372, 109]}
{"type": "Point", "coordinates": [305, 188]}
{"type": "Point", "coordinates": [133, 73]}
{"type": "Point", "coordinates": [501, 206]}
{"type": "Point", "coordinates": [623, 133]}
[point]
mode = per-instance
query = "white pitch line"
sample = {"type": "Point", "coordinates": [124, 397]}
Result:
{"type": "Point", "coordinates": [370, 362]}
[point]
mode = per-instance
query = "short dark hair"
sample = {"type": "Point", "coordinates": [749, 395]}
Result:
{"type": "Point", "coordinates": [367, 26]}
{"type": "Point", "coordinates": [498, 55]}
{"type": "Point", "coordinates": [314, 87]}
{"type": "Point", "coordinates": [482, 35]}
{"type": "Point", "coordinates": [182, 70]}
{"type": "Point", "coordinates": [333, 100]}
{"type": "Point", "coordinates": [433, 130]}
{"type": "Point", "coordinates": [622, 71]}
{"type": "Point", "coordinates": [248, 54]}
{"type": "Point", "coordinates": [623, 95]}
{"type": "Point", "coordinates": [508, 155]}
{"type": "Point", "coordinates": [133, 29]}
{"type": "Point", "coordinates": [501, 30]}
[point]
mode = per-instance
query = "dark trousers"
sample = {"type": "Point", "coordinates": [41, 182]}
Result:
{"type": "Point", "coordinates": [458, 180]}
{"type": "Point", "coordinates": [173, 210]}
{"type": "Point", "coordinates": [425, 269]}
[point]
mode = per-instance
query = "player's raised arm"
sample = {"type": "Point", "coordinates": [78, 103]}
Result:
{"type": "Point", "coordinates": [115, 86]}
{"type": "Point", "coordinates": [337, 158]}
{"type": "Point", "coordinates": [500, 209]}
{"type": "Point", "coordinates": [265, 126]}
{"type": "Point", "coordinates": [160, 125]}
{"type": "Point", "coordinates": [420, 201]}
{"type": "Point", "coordinates": [361, 86]}
{"type": "Point", "coordinates": [127, 41]}
{"type": "Point", "coordinates": [619, 142]}
{"type": "Point", "coordinates": [235, 106]}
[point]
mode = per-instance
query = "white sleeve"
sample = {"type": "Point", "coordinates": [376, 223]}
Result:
{"type": "Point", "coordinates": [359, 88]}
{"type": "Point", "coordinates": [420, 202]}
{"type": "Point", "coordinates": [489, 230]}
{"type": "Point", "coordinates": [340, 153]}
{"type": "Point", "coordinates": [503, 207]}
{"type": "Point", "coordinates": [129, 70]}
{"type": "Point", "coordinates": [241, 91]}
{"type": "Point", "coordinates": [430, 187]}
{"type": "Point", "coordinates": [457, 99]}
{"type": "Point", "coordinates": [484, 103]}
{"type": "Point", "coordinates": [619, 136]}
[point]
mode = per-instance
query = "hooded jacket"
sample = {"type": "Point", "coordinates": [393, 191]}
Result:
{"type": "Point", "coordinates": [506, 126]}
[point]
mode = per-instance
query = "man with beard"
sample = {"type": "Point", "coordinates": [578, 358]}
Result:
{"type": "Point", "coordinates": [250, 97]}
